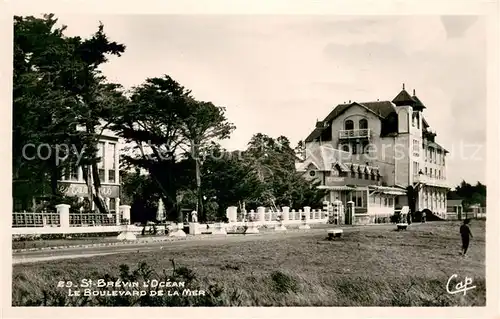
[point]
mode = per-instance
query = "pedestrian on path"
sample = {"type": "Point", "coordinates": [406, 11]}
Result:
{"type": "Point", "coordinates": [466, 235]}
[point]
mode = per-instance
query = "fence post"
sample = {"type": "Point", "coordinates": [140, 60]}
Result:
{"type": "Point", "coordinates": [307, 215]}
{"type": "Point", "coordinates": [117, 212]}
{"type": "Point", "coordinates": [63, 211]}
{"type": "Point", "coordinates": [232, 214]}
{"type": "Point", "coordinates": [261, 211]}
{"type": "Point", "coordinates": [125, 209]}
{"type": "Point", "coordinates": [285, 215]}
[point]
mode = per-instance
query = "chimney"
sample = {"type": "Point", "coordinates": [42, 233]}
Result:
{"type": "Point", "coordinates": [413, 92]}
{"type": "Point", "coordinates": [403, 86]}
{"type": "Point", "coordinates": [349, 101]}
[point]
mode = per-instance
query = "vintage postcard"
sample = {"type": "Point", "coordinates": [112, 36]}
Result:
{"type": "Point", "coordinates": [251, 159]}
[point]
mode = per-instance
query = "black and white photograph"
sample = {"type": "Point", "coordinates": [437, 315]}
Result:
{"type": "Point", "coordinates": [251, 160]}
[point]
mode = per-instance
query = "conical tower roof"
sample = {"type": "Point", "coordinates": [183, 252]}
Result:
{"type": "Point", "coordinates": [403, 98]}
{"type": "Point", "coordinates": [418, 104]}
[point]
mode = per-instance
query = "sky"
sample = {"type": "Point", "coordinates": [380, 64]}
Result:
{"type": "Point", "coordinates": [278, 74]}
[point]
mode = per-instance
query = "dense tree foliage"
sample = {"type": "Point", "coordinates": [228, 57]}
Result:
{"type": "Point", "coordinates": [173, 151]}
{"type": "Point", "coordinates": [471, 194]}
{"type": "Point", "coordinates": [60, 99]}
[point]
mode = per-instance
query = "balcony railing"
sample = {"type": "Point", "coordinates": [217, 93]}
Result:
{"type": "Point", "coordinates": [431, 181]}
{"type": "Point", "coordinates": [361, 133]}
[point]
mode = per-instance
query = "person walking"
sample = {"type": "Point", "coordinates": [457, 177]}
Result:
{"type": "Point", "coordinates": [466, 235]}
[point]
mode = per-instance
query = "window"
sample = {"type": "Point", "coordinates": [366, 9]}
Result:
{"type": "Point", "coordinates": [110, 155]}
{"type": "Point", "coordinates": [112, 203]}
{"type": "Point", "coordinates": [312, 173]}
{"type": "Point", "coordinates": [415, 168]}
{"type": "Point", "coordinates": [71, 172]}
{"type": "Point", "coordinates": [355, 148]}
{"type": "Point", "coordinates": [101, 174]}
{"type": "Point", "coordinates": [345, 148]}
{"type": "Point", "coordinates": [363, 124]}
{"type": "Point", "coordinates": [111, 176]}
{"type": "Point", "coordinates": [385, 201]}
{"type": "Point", "coordinates": [100, 154]}
{"type": "Point", "coordinates": [426, 171]}
{"type": "Point", "coordinates": [18, 205]}
{"type": "Point", "coordinates": [357, 198]}
{"type": "Point", "coordinates": [349, 125]}
{"type": "Point", "coordinates": [390, 201]}
{"type": "Point", "coordinates": [416, 146]}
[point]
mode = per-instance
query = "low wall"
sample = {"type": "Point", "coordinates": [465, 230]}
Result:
{"type": "Point", "coordinates": [74, 230]}
{"type": "Point", "coordinates": [138, 229]}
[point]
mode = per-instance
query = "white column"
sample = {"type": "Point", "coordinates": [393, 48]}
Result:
{"type": "Point", "coordinates": [307, 213]}
{"type": "Point", "coordinates": [104, 164]}
{"type": "Point", "coordinates": [63, 211]}
{"type": "Point", "coordinates": [117, 164]}
{"type": "Point", "coordinates": [125, 209]}
{"type": "Point", "coordinates": [80, 174]}
{"type": "Point", "coordinates": [107, 200]}
{"type": "Point", "coordinates": [261, 212]}
{"type": "Point", "coordinates": [285, 216]}
{"type": "Point", "coordinates": [232, 214]}
{"type": "Point", "coordinates": [117, 210]}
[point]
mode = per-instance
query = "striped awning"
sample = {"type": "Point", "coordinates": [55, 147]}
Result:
{"type": "Point", "coordinates": [337, 188]}
{"type": "Point", "coordinates": [388, 190]}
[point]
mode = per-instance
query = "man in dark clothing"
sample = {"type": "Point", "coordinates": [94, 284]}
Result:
{"type": "Point", "coordinates": [466, 235]}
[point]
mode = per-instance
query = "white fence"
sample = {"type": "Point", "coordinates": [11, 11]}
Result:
{"type": "Point", "coordinates": [57, 223]}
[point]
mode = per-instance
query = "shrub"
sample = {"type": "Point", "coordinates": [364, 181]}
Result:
{"type": "Point", "coordinates": [143, 273]}
{"type": "Point", "coordinates": [284, 283]}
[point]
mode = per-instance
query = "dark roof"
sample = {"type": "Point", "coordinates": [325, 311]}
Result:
{"type": "Point", "coordinates": [425, 122]}
{"type": "Point", "coordinates": [403, 98]}
{"type": "Point", "coordinates": [435, 145]}
{"type": "Point", "coordinates": [418, 104]}
{"type": "Point", "coordinates": [380, 108]}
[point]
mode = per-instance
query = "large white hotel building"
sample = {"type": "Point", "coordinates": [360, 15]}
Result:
{"type": "Point", "coordinates": [381, 155]}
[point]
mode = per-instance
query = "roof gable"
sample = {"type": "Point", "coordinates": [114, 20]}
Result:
{"type": "Point", "coordinates": [381, 109]}
{"type": "Point", "coordinates": [403, 98]}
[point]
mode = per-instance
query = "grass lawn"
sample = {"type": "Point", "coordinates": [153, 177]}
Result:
{"type": "Point", "coordinates": [367, 267]}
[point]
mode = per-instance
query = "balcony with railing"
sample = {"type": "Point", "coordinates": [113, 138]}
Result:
{"type": "Point", "coordinates": [431, 181]}
{"type": "Point", "coordinates": [359, 133]}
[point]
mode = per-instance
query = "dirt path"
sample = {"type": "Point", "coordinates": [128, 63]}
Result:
{"type": "Point", "coordinates": [85, 252]}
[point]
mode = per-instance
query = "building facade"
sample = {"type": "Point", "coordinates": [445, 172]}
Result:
{"type": "Point", "coordinates": [109, 174]}
{"type": "Point", "coordinates": [381, 155]}
{"type": "Point", "coordinates": [73, 184]}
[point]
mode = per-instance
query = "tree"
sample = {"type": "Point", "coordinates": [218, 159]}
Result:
{"type": "Point", "coordinates": [228, 180]}
{"type": "Point", "coordinates": [273, 162]}
{"type": "Point", "coordinates": [205, 124]}
{"type": "Point", "coordinates": [471, 194]}
{"type": "Point", "coordinates": [300, 151]}
{"type": "Point", "coordinates": [40, 104]}
{"type": "Point", "coordinates": [61, 98]}
{"type": "Point", "coordinates": [152, 121]}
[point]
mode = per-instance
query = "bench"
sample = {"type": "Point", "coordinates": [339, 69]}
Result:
{"type": "Point", "coordinates": [402, 226]}
{"type": "Point", "coordinates": [335, 233]}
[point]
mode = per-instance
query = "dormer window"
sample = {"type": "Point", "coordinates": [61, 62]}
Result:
{"type": "Point", "coordinates": [363, 124]}
{"type": "Point", "coordinates": [349, 125]}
